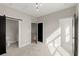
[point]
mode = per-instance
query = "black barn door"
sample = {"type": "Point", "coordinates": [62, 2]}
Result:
{"type": "Point", "coordinates": [2, 35]}
{"type": "Point", "coordinates": [40, 32]}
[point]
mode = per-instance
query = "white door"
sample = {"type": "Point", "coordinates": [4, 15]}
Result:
{"type": "Point", "coordinates": [66, 35]}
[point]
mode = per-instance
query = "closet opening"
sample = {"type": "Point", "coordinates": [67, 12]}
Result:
{"type": "Point", "coordinates": [12, 32]}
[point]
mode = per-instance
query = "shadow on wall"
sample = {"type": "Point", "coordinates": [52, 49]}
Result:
{"type": "Point", "coordinates": [54, 43]}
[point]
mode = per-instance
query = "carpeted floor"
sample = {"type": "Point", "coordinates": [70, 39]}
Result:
{"type": "Point", "coordinates": [34, 49]}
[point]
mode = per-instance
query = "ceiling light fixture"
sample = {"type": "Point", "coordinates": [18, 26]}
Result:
{"type": "Point", "coordinates": [37, 6]}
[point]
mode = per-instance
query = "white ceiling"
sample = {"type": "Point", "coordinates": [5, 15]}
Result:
{"type": "Point", "coordinates": [45, 9]}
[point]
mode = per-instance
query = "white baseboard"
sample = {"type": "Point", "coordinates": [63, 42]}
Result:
{"type": "Point", "coordinates": [24, 45]}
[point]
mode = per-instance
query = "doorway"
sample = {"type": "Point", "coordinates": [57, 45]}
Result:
{"type": "Point", "coordinates": [12, 33]}
{"type": "Point", "coordinates": [34, 32]}
{"type": "Point", "coordinates": [40, 32]}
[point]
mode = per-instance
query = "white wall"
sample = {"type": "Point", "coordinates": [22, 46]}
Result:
{"type": "Point", "coordinates": [51, 21]}
{"type": "Point", "coordinates": [24, 26]}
